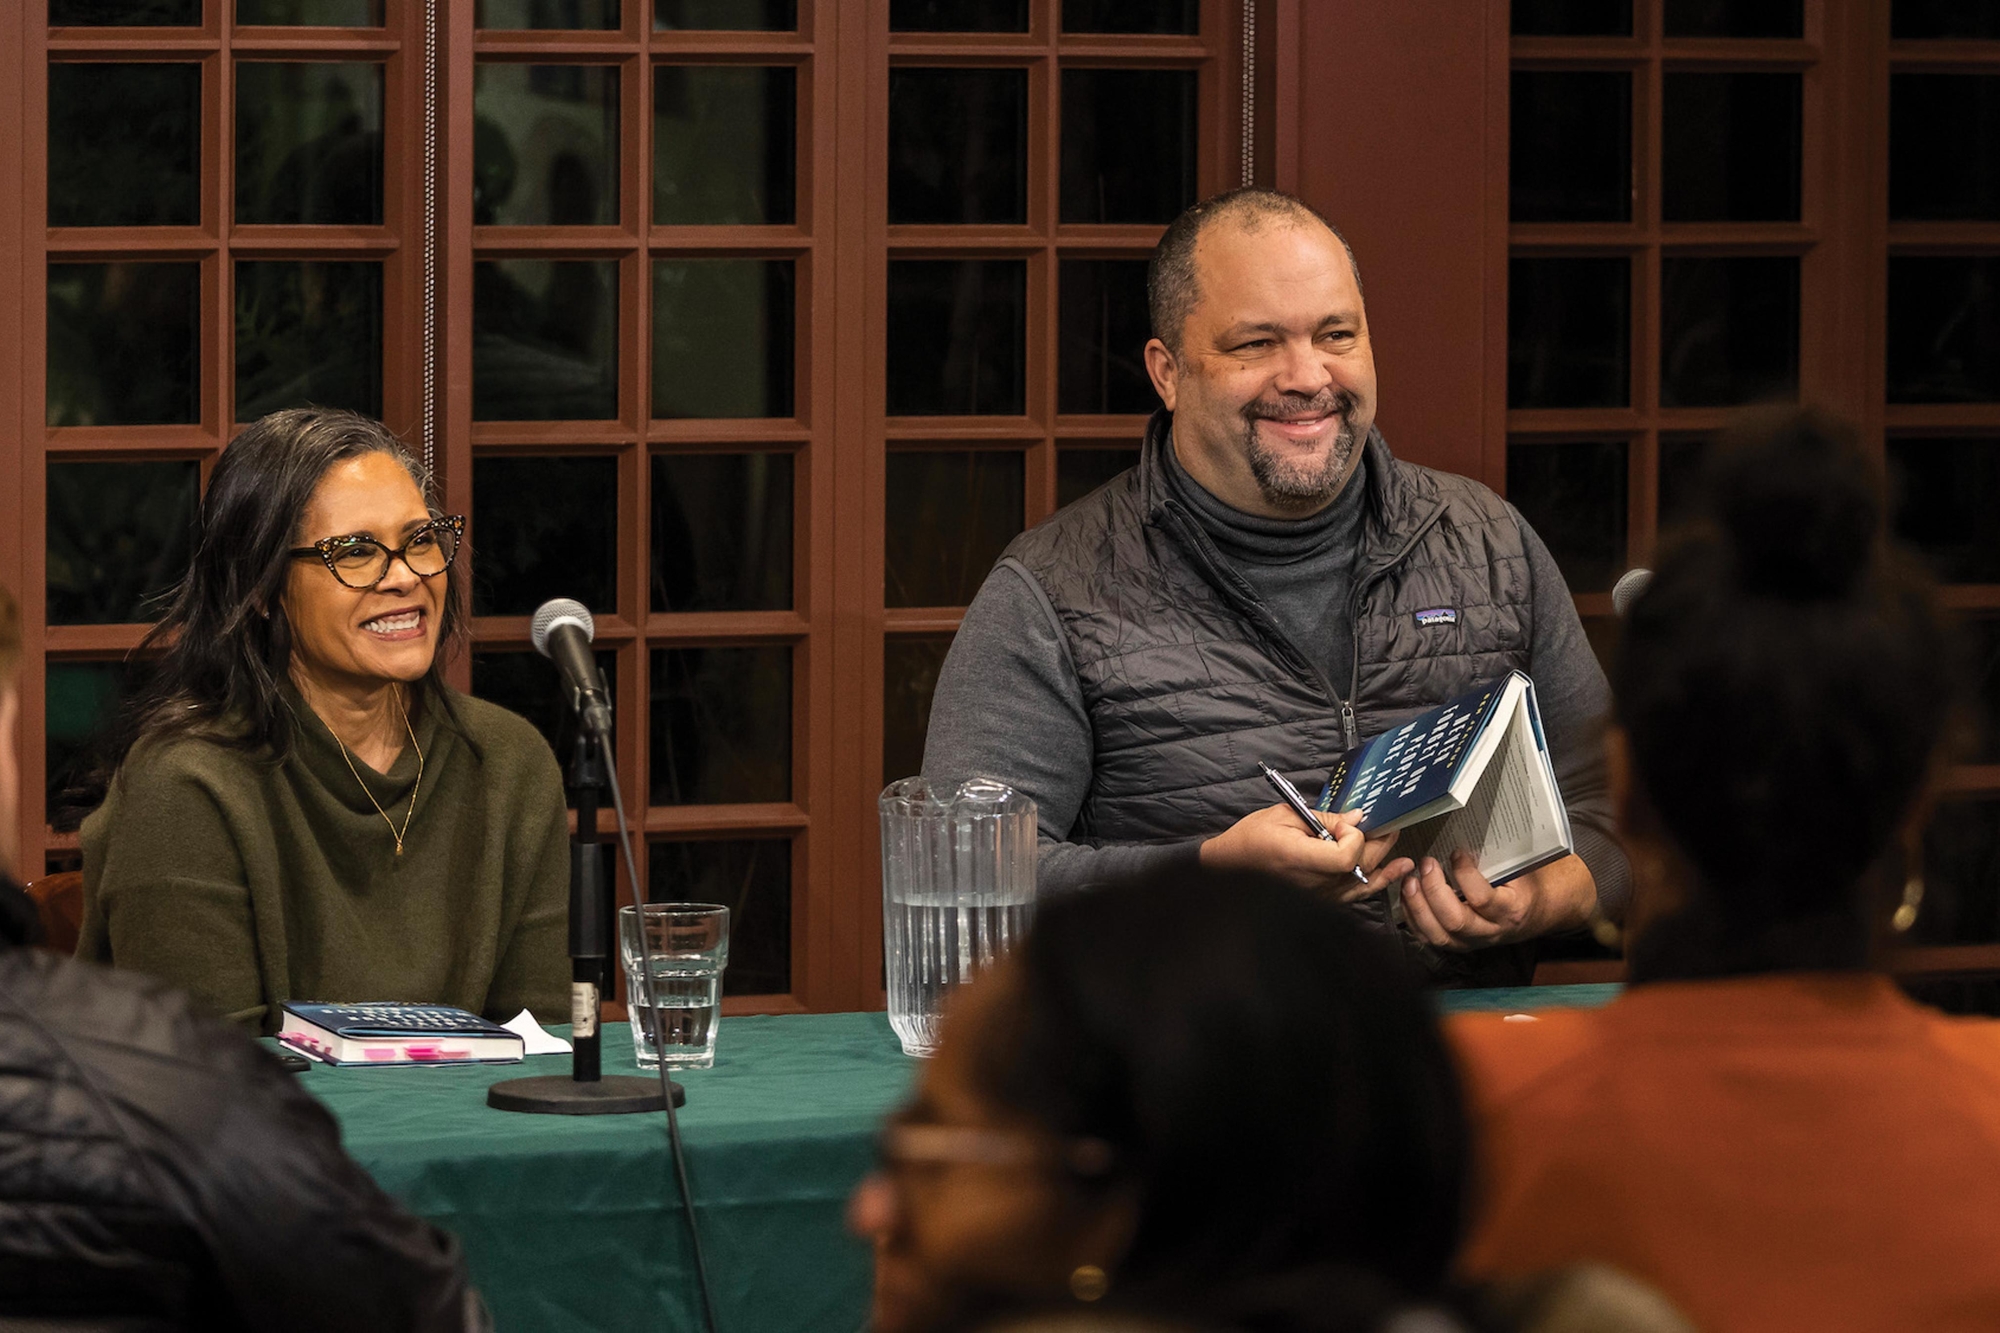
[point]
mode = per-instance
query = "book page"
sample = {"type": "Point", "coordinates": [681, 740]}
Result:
{"type": "Point", "coordinates": [1511, 820]}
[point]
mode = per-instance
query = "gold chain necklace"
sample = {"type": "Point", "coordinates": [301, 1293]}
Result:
{"type": "Point", "coordinates": [413, 786]}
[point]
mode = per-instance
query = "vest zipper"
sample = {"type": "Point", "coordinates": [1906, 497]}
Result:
{"type": "Point", "coordinates": [1233, 584]}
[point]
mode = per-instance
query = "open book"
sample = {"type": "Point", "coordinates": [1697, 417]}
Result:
{"type": "Point", "coordinates": [1472, 774]}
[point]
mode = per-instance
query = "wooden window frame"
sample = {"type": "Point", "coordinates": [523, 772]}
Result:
{"type": "Point", "coordinates": [839, 434]}
{"type": "Point", "coordinates": [1216, 55]}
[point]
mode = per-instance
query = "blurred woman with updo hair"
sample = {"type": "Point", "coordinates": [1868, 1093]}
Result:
{"type": "Point", "coordinates": [1763, 1126]}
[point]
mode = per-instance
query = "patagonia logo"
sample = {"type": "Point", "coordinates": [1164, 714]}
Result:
{"type": "Point", "coordinates": [1442, 615]}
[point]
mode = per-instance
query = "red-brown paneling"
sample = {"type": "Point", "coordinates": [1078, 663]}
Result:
{"type": "Point", "coordinates": [1395, 141]}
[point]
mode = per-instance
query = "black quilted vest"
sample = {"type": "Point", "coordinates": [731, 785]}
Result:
{"type": "Point", "coordinates": [1187, 677]}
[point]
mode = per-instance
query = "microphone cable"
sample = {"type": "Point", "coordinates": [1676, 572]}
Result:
{"type": "Point", "coordinates": [659, 1046]}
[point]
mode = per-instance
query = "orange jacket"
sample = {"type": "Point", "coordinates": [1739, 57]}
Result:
{"type": "Point", "coordinates": [1809, 1151]}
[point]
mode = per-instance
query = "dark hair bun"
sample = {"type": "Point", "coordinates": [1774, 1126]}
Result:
{"type": "Point", "coordinates": [1796, 502]}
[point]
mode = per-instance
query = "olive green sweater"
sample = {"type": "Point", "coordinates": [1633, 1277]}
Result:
{"type": "Point", "coordinates": [249, 884]}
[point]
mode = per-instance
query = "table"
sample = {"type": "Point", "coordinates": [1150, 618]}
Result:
{"type": "Point", "coordinates": [573, 1223]}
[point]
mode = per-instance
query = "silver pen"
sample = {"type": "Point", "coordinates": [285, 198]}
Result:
{"type": "Point", "coordinates": [1291, 797]}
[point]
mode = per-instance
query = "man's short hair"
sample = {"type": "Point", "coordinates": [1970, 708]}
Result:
{"type": "Point", "coordinates": [1172, 289]}
{"type": "Point", "coordinates": [10, 637]}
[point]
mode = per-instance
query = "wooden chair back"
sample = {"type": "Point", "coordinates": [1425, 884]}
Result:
{"type": "Point", "coordinates": [59, 900]}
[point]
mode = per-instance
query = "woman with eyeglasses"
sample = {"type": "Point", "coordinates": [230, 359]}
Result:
{"type": "Point", "coordinates": [296, 806]}
{"type": "Point", "coordinates": [1219, 1105]}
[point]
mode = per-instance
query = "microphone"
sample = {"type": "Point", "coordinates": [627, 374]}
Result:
{"type": "Point", "coordinates": [1623, 593]}
{"type": "Point", "coordinates": [562, 632]}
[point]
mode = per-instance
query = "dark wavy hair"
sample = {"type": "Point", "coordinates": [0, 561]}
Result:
{"type": "Point", "coordinates": [1273, 1087]}
{"type": "Point", "coordinates": [1787, 685]}
{"type": "Point", "coordinates": [224, 645]}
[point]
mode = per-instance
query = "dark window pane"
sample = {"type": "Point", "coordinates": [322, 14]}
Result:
{"type": "Point", "coordinates": [519, 14]}
{"type": "Point", "coordinates": [910, 666]}
{"type": "Point", "coordinates": [1081, 471]}
{"type": "Point", "coordinates": [1102, 327]}
{"type": "Point", "coordinates": [1979, 642]}
{"type": "Point", "coordinates": [725, 144]}
{"type": "Point", "coordinates": [124, 145]}
{"type": "Point", "coordinates": [544, 340]}
{"type": "Point", "coordinates": [1571, 133]}
{"type": "Point", "coordinates": [1569, 331]}
{"type": "Point", "coordinates": [1920, 19]}
{"type": "Point", "coordinates": [527, 683]}
{"type": "Point", "coordinates": [1735, 18]}
{"type": "Point", "coordinates": [1961, 875]}
{"type": "Point", "coordinates": [957, 336]}
{"type": "Point", "coordinates": [1944, 506]}
{"type": "Point", "coordinates": [1128, 144]}
{"type": "Point", "coordinates": [309, 143]}
{"type": "Point", "coordinates": [546, 527]}
{"type": "Point", "coordinates": [727, 15]}
{"type": "Point", "coordinates": [83, 697]}
{"type": "Point", "coordinates": [119, 534]}
{"type": "Point", "coordinates": [949, 517]}
{"type": "Point", "coordinates": [958, 145]}
{"type": "Point", "coordinates": [1166, 16]}
{"type": "Point", "coordinates": [1944, 329]}
{"type": "Point", "coordinates": [312, 13]}
{"type": "Point", "coordinates": [1731, 148]}
{"type": "Point", "coordinates": [1944, 147]}
{"type": "Point", "coordinates": [753, 879]}
{"type": "Point", "coordinates": [723, 337]}
{"type": "Point", "coordinates": [124, 344]}
{"type": "Point", "coordinates": [722, 725]}
{"type": "Point", "coordinates": [1572, 18]}
{"type": "Point", "coordinates": [1729, 330]}
{"type": "Point", "coordinates": [1601, 632]}
{"type": "Point", "coordinates": [1573, 494]}
{"type": "Point", "coordinates": [545, 145]}
{"type": "Point", "coordinates": [308, 331]}
{"type": "Point", "coordinates": [958, 16]}
{"type": "Point", "coordinates": [722, 532]}
{"type": "Point", "coordinates": [1681, 460]}
{"type": "Point", "coordinates": [124, 13]}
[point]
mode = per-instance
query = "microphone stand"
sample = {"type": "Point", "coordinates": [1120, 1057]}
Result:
{"type": "Point", "coordinates": [592, 953]}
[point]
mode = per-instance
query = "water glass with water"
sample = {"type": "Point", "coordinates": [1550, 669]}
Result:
{"type": "Point", "coordinates": [958, 889]}
{"type": "Point", "coordinates": [673, 975]}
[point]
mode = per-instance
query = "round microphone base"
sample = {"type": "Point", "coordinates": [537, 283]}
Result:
{"type": "Point", "coordinates": [555, 1094]}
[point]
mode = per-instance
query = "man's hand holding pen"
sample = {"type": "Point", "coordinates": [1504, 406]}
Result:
{"type": "Point", "coordinates": [1274, 841]}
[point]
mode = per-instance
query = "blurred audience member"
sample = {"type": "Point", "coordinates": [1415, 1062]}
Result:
{"type": "Point", "coordinates": [160, 1171]}
{"type": "Point", "coordinates": [1178, 1105]}
{"type": "Point", "coordinates": [1763, 1126]}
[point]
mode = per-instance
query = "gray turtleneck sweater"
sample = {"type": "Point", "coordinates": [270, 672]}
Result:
{"type": "Point", "coordinates": [1008, 703]}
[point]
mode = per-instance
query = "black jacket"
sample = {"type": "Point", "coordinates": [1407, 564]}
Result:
{"type": "Point", "coordinates": [159, 1170]}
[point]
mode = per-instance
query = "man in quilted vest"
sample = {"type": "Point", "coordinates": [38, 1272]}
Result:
{"type": "Point", "coordinates": [1270, 583]}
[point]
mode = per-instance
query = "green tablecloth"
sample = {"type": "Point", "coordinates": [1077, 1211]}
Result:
{"type": "Point", "coordinates": [573, 1223]}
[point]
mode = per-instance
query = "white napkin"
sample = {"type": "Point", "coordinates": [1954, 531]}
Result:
{"type": "Point", "coordinates": [537, 1040]}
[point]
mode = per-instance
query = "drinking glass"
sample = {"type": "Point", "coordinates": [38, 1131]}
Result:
{"type": "Point", "coordinates": [687, 945]}
{"type": "Point", "coordinates": [958, 889]}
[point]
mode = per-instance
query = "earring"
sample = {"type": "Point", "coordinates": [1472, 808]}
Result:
{"type": "Point", "coordinates": [1087, 1282]}
{"type": "Point", "coordinates": [1906, 911]}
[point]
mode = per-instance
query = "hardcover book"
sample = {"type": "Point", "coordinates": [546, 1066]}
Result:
{"type": "Point", "coordinates": [389, 1034]}
{"type": "Point", "coordinates": [1473, 773]}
